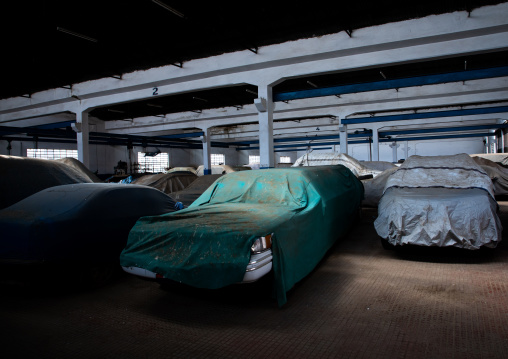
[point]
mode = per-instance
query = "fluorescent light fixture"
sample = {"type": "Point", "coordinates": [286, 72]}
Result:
{"type": "Point", "coordinates": [199, 98]}
{"type": "Point", "coordinates": [382, 74]}
{"type": "Point", "coordinates": [312, 84]}
{"type": "Point", "coordinates": [169, 8]}
{"type": "Point", "coordinates": [117, 111]}
{"type": "Point", "coordinates": [76, 34]}
{"type": "Point", "coordinates": [252, 92]}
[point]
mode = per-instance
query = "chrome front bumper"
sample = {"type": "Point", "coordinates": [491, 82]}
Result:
{"type": "Point", "coordinates": [140, 272]}
{"type": "Point", "coordinates": [259, 265]}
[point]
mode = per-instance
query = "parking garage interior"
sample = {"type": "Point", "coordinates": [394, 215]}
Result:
{"type": "Point", "coordinates": [126, 86]}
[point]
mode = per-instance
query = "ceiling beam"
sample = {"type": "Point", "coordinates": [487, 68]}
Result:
{"type": "Point", "coordinates": [424, 115]}
{"type": "Point", "coordinates": [393, 84]}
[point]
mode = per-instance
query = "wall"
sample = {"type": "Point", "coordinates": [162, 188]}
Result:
{"type": "Point", "coordinates": [243, 156]}
{"type": "Point", "coordinates": [104, 158]}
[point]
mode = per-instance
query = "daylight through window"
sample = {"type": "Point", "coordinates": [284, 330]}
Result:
{"type": "Point", "coordinates": [254, 159]}
{"type": "Point", "coordinates": [51, 154]}
{"type": "Point", "coordinates": [285, 159]}
{"type": "Point", "coordinates": [218, 159]}
{"type": "Point", "coordinates": [153, 164]}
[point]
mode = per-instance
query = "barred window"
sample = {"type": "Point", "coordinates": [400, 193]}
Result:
{"type": "Point", "coordinates": [153, 164]}
{"type": "Point", "coordinates": [218, 159]}
{"type": "Point", "coordinates": [51, 154]}
{"type": "Point", "coordinates": [254, 159]}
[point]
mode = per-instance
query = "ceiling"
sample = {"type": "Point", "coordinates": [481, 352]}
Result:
{"type": "Point", "coordinates": [126, 35]}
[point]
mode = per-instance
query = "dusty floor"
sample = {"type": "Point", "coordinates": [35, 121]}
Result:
{"type": "Point", "coordinates": [361, 302]}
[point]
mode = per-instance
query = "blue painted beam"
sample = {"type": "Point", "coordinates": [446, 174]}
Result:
{"type": "Point", "coordinates": [303, 149]}
{"type": "Point", "coordinates": [154, 140]}
{"type": "Point", "coordinates": [51, 126]}
{"type": "Point", "coordinates": [42, 140]}
{"type": "Point", "coordinates": [443, 137]}
{"type": "Point", "coordinates": [443, 129]}
{"type": "Point", "coordinates": [299, 139]}
{"type": "Point", "coordinates": [305, 145]}
{"type": "Point", "coordinates": [424, 115]}
{"type": "Point", "coordinates": [184, 135]}
{"type": "Point", "coordinates": [394, 84]}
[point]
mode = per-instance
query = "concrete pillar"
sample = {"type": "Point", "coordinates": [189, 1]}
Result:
{"type": "Point", "coordinates": [375, 144]}
{"type": "Point", "coordinates": [491, 144]}
{"type": "Point", "coordinates": [502, 141]}
{"type": "Point", "coordinates": [82, 136]}
{"type": "Point", "coordinates": [264, 105]}
{"type": "Point", "coordinates": [394, 147]}
{"type": "Point", "coordinates": [369, 150]}
{"type": "Point", "coordinates": [207, 151]}
{"type": "Point", "coordinates": [406, 150]}
{"type": "Point", "coordinates": [343, 139]}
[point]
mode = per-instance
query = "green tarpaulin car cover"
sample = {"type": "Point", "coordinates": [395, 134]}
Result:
{"type": "Point", "coordinates": [208, 244]}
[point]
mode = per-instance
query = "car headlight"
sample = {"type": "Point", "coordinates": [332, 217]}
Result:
{"type": "Point", "coordinates": [262, 244]}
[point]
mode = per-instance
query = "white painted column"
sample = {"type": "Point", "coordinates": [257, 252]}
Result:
{"type": "Point", "coordinates": [375, 144]}
{"type": "Point", "coordinates": [264, 105]}
{"type": "Point", "coordinates": [502, 140]}
{"type": "Point", "coordinates": [82, 136]}
{"type": "Point", "coordinates": [207, 151]}
{"type": "Point", "coordinates": [407, 150]}
{"type": "Point", "coordinates": [343, 139]}
{"type": "Point", "coordinates": [394, 147]}
{"type": "Point", "coordinates": [491, 144]}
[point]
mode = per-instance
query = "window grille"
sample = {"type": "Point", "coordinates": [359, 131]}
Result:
{"type": "Point", "coordinates": [51, 154]}
{"type": "Point", "coordinates": [153, 164]}
{"type": "Point", "coordinates": [218, 159]}
{"type": "Point", "coordinates": [254, 159]}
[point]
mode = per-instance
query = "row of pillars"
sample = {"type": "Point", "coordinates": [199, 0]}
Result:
{"type": "Point", "coordinates": [264, 106]}
{"type": "Point", "coordinates": [374, 156]}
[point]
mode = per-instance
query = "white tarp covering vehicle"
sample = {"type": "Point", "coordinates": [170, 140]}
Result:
{"type": "Point", "coordinates": [439, 201]}
{"type": "Point", "coordinates": [335, 158]}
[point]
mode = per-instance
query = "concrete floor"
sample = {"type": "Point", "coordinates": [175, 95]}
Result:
{"type": "Point", "coordinates": [361, 302]}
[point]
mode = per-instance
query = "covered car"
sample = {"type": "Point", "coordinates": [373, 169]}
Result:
{"type": "Point", "coordinates": [21, 177]}
{"type": "Point", "coordinates": [335, 158]}
{"type": "Point", "coordinates": [76, 225]}
{"type": "Point", "coordinates": [221, 169]}
{"type": "Point", "coordinates": [76, 164]}
{"type": "Point", "coordinates": [497, 173]}
{"type": "Point", "coordinates": [444, 201]}
{"type": "Point", "coordinates": [182, 169]}
{"type": "Point", "coordinates": [374, 188]}
{"type": "Point", "coordinates": [189, 194]}
{"type": "Point", "coordinates": [167, 182]}
{"type": "Point", "coordinates": [246, 224]}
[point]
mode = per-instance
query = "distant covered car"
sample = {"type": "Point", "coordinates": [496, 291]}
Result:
{"type": "Point", "coordinates": [221, 169]}
{"type": "Point", "coordinates": [336, 158]}
{"type": "Point", "coordinates": [246, 224]}
{"type": "Point", "coordinates": [444, 201]}
{"type": "Point", "coordinates": [77, 225]}
{"type": "Point", "coordinates": [192, 192]}
{"type": "Point", "coordinates": [167, 182]}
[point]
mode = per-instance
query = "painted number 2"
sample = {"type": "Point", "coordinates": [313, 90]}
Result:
{"type": "Point", "coordinates": [155, 91]}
